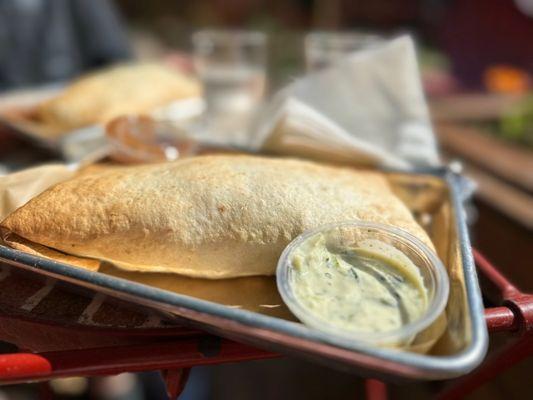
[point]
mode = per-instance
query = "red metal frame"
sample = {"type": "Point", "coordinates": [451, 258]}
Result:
{"type": "Point", "coordinates": [175, 357]}
{"type": "Point", "coordinates": [515, 315]}
{"type": "Point", "coordinates": [21, 367]}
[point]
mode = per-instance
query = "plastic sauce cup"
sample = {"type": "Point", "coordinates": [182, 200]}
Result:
{"type": "Point", "coordinates": [433, 272]}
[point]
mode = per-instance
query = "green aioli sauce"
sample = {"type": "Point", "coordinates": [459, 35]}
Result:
{"type": "Point", "coordinates": [371, 288]}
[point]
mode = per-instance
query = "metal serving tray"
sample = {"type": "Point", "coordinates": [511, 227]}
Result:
{"type": "Point", "coordinates": [290, 337]}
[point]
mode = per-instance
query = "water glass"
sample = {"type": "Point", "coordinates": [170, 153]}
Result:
{"type": "Point", "coordinates": [325, 48]}
{"type": "Point", "coordinates": [232, 68]}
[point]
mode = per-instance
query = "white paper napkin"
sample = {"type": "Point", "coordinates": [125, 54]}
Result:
{"type": "Point", "coordinates": [368, 108]}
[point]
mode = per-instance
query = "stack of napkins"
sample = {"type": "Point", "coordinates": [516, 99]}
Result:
{"type": "Point", "coordinates": [367, 109]}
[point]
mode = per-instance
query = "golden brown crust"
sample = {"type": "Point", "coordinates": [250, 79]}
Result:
{"type": "Point", "coordinates": [125, 89]}
{"type": "Point", "coordinates": [208, 216]}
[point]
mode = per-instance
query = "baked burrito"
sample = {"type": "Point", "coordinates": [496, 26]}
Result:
{"type": "Point", "coordinates": [212, 217]}
{"type": "Point", "coordinates": [124, 89]}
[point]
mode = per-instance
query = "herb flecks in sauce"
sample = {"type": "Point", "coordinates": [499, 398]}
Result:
{"type": "Point", "coordinates": [358, 289]}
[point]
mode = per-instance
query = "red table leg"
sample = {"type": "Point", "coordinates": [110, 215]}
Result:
{"type": "Point", "coordinates": [175, 381]}
{"type": "Point", "coordinates": [375, 390]}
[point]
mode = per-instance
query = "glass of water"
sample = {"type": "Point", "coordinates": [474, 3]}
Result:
{"type": "Point", "coordinates": [325, 48]}
{"type": "Point", "coordinates": [232, 68]}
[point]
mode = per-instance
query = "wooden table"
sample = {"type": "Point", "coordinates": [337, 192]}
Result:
{"type": "Point", "coordinates": [502, 226]}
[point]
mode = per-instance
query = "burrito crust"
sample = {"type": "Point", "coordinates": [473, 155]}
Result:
{"type": "Point", "coordinates": [125, 89]}
{"type": "Point", "coordinates": [208, 216]}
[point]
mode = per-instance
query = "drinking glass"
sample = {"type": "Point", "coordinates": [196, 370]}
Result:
{"type": "Point", "coordinates": [232, 68]}
{"type": "Point", "coordinates": [325, 48]}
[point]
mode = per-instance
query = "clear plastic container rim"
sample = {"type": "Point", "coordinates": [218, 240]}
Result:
{"type": "Point", "coordinates": [435, 308]}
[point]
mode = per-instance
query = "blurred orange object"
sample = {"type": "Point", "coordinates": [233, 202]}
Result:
{"type": "Point", "coordinates": [506, 79]}
{"type": "Point", "coordinates": [142, 139]}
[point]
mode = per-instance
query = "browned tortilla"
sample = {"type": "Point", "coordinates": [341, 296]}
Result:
{"type": "Point", "coordinates": [208, 216]}
{"type": "Point", "coordinates": [112, 92]}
